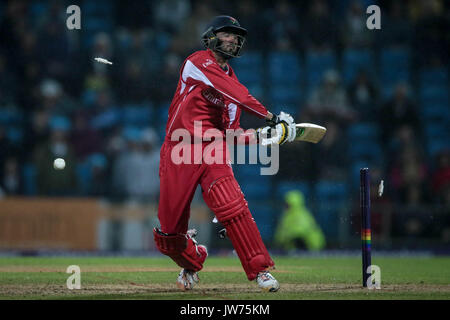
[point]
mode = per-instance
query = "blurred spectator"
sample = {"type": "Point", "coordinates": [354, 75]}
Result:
{"type": "Point", "coordinates": [52, 182]}
{"type": "Point", "coordinates": [45, 73]}
{"type": "Point", "coordinates": [136, 171]}
{"type": "Point", "coordinates": [99, 175]}
{"type": "Point", "coordinates": [7, 84]}
{"type": "Point", "coordinates": [397, 29]}
{"type": "Point", "coordinates": [54, 99]}
{"type": "Point", "coordinates": [295, 167]}
{"type": "Point", "coordinates": [101, 48]}
{"type": "Point", "coordinates": [170, 15]}
{"type": "Point", "coordinates": [354, 32]}
{"type": "Point", "coordinates": [105, 116]}
{"type": "Point", "coordinates": [408, 177]}
{"type": "Point", "coordinates": [331, 156]}
{"type": "Point", "coordinates": [329, 100]}
{"type": "Point", "coordinates": [440, 180]}
{"type": "Point", "coordinates": [84, 139]}
{"type": "Point", "coordinates": [140, 58]}
{"type": "Point", "coordinates": [12, 27]}
{"type": "Point", "coordinates": [7, 149]}
{"type": "Point", "coordinates": [134, 15]}
{"type": "Point", "coordinates": [189, 39]}
{"type": "Point", "coordinates": [168, 78]}
{"type": "Point", "coordinates": [363, 96]}
{"type": "Point", "coordinates": [55, 12]}
{"type": "Point", "coordinates": [254, 18]}
{"type": "Point", "coordinates": [134, 84]}
{"type": "Point", "coordinates": [319, 28]}
{"type": "Point", "coordinates": [98, 76]}
{"type": "Point", "coordinates": [297, 228]}
{"type": "Point", "coordinates": [403, 137]}
{"type": "Point", "coordinates": [285, 28]}
{"type": "Point", "coordinates": [11, 182]}
{"type": "Point", "coordinates": [143, 52]}
{"type": "Point", "coordinates": [431, 39]}
{"type": "Point", "coordinates": [53, 49]}
{"type": "Point", "coordinates": [37, 132]}
{"type": "Point", "coordinates": [396, 112]}
{"type": "Point", "coordinates": [31, 73]}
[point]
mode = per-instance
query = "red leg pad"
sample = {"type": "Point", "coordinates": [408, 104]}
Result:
{"type": "Point", "coordinates": [184, 251]}
{"type": "Point", "coordinates": [226, 200]}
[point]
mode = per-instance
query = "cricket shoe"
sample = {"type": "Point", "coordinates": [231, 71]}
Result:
{"type": "Point", "coordinates": [267, 282]}
{"type": "Point", "coordinates": [187, 279]}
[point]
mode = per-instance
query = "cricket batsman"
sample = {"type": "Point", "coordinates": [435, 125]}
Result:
{"type": "Point", "coordinates": [209, 91]}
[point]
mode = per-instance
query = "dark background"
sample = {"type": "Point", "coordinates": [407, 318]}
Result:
{"type": "Point", "coordinates": [382, 94]}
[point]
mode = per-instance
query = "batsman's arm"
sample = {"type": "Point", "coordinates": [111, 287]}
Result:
{"type": "Point", "coordinates": [212, 75]}
{"type": "Point", "coordinates": [269, 116]}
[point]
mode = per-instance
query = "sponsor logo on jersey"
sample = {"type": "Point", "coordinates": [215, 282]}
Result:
{"type": "Point", "coordinates": [207, 63]}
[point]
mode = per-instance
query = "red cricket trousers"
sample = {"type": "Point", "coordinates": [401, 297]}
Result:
{"type": "Point", "coordinates": [221, 192]}
{"type": "Point", "coordinates": [178, 183]}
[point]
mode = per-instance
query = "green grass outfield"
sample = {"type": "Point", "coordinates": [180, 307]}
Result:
{"type": "Point", "coordinates": [222, 278]}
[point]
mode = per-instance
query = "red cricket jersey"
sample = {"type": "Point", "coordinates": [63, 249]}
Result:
{"type": "Point", "coordinates": [207, 93]}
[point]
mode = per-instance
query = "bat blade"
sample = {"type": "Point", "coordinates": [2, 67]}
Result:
{"type": "Point", "coordinates": [309, 132]}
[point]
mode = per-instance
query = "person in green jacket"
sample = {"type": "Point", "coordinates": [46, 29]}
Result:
{"type": "Point", "coordinates": [297, 225]}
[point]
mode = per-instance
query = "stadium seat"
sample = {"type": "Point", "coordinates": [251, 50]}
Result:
{"type": "Point", "coordinates": [29, 179]}
{"type": "Point", "coordinates": [248, 171]}
{"type": "Point", "coordinates": [162, 112]}
{"type": "Point", "coordinates": [387, 91]}
{"type": "Point", "coordinates": [249, 68]}
{"type": "Point", "coordinates": [256, 89]}
{"type": "Point", "coordinates": [107, 118]}
{"type": "Point", "coordinates": [434, 94]}
{"type": "Point", "coordinates": [434, 76]}
{"type": "Point", "coordinates": [317, 64]}
{"type": "Point", "coordinates": [10, 116]}
{"type": "Point", "coordinates": [436, 113]}
{"type": "Point", "coordinates": [331, 198]}
{"type": "Point", "coordinates": [363, 131]}
{"type": "Point", "coordinates": [161, 131]}
{"type": "Point", "coordinates": [354, 60]}
{"type": "Point", "coordinates": [131, 133]}
{"type": "Point", "coordinates": [284, 68]}
{"type": "Point", "coordinates": [366, 151]}
{"type": "Point", "coordinates": [249, 77]}
{"type": "Point", "coordinates": [435, 146]}
{"type": "Point", "coordinates": [292, 108]}
{"type": "Point", "coordinates": [137, 115]}
{"type": "Point", "coordinates": [435, 131]}
{"type": "Point", "coordinates": [162, 41]}
{"type": "Point", "coordinates": [83, 171]}
{"type": "Point", "coordinates": [84, 177]}
{"type": "Point", "coordinates": [328, 191]}
{"type": "Point", "coordinates": [395, 65]}
{"type": "Point", "coordinates": [60, 123]}
{"type": "Point", "coordinates": [98, 8]}
{"type": "Point", "coordinates": [89, 96]}
{"type": "Point", "coordinates": [265, 218]}
{"type": "Point", "coordinates": [38, 9]}
{"type": "Point", "coordinates": [285, 94]}
{"type": "Point", "coordinates": [365, 144]}
{"type": "Point", "coordinates": [15, 134]}
{"type": "Point", "coordinates": [256, 188]}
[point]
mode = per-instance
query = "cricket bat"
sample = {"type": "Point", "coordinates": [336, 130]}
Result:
{"type": "Point", "coordinates": [309, 132]}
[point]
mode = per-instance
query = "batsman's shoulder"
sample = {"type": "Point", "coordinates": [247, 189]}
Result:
{"type": "Point", "coordinates": [201, 58]}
